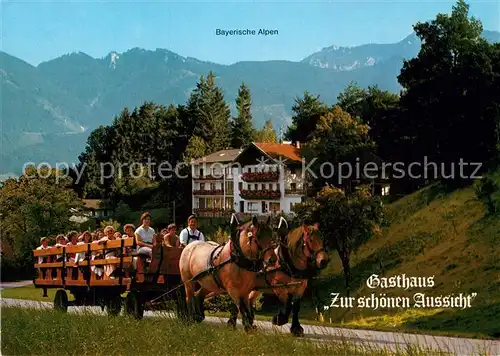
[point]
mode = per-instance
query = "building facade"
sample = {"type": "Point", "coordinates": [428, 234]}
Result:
{"type": "Point", "coordinates": [264, 178]}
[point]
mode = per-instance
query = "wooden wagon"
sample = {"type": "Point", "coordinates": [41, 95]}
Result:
{"type": "Point", "coordinates": [145, 291]}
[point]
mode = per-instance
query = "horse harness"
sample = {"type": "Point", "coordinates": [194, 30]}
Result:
{"type": "Point", "coordinates": [236, 256]}
{"type": "Point", "coordinates": [285, 262]}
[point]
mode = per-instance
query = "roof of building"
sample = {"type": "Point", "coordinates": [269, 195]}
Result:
{"type": "Point", "coordinates": [94, 203]}
{"type": "Point", "coordinates": [219, 156]}
{"type": "Point", "coordinates": [275, 150]}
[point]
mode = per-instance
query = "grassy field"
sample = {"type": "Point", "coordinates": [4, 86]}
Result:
{"type": "Point", "coordinates": [431, 233]}
{"type": "Point", "coordinates": [26, 332]}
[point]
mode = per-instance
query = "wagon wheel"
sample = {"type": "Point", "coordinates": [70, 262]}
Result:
{"type": "Point", "coordinates": [134, 305]}
{"type": "Point", "coordinates": [61, 301]}
{"type": "Point", "coordinates": [114, 305]}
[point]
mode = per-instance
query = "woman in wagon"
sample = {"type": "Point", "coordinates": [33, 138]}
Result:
{"type": "Point", "coordinates": [109, 235]}
{"type": "Point", "coordinates": [84, 238]}
{"type": "Point", "coordinates": [144, 236]}
{"type": "Point", "coordinates": [191, 232]}
{"type": "Point", "coordinates": [129, 233]}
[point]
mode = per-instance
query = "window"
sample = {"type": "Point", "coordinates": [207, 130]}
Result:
{"type": "Point", "coordinates": [202, 203]}
{"type": "Point", "coordinates": [229, 203]}
{"type": "Point", "coordinates": [240, 186]}
{"type": "Point", "coordinates": [293, 186]}
{"type": "Point", "coordinates": [229, 187]}
{"type": "Point", "coordinates": [250, 187]}
{"type": "Point", "coordinates": [212, 186]}
{"type": "Point", "coordinates": [202, 186]}
{"type": "Point", "coordinates": [201, 172]}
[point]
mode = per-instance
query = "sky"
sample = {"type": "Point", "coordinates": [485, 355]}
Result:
{"type": "Point", "coordinates": [37, 31]}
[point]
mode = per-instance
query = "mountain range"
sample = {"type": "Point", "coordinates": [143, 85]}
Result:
{"type": "Point", "coordinates": [49, 110]}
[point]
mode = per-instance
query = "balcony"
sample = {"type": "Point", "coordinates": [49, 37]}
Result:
{"type": "Point", "coordinates": [212, 212]}
{"type": "Point", "coordinates": [260, 176]}
{"type": "Point", "coordinates": [294, 192]}
{"type": "Point", "coordinates": [263, 194]}
{"type": "Point", "coordinates": [208, 192]}
{"type": "Point", "coordinates": [219, 176]}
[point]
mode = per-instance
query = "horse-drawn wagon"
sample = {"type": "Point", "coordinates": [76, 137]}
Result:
{"type": "Point", "coordinates": [98, 279]}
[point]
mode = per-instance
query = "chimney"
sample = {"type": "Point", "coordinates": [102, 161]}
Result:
{"type": "Point", "coordinates": [297, 144]}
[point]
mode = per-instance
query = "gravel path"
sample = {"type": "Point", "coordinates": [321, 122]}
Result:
{"type": "Point", "coordinates": [390, 340]}
{"type": "Point", "coordinates": [5, 285]}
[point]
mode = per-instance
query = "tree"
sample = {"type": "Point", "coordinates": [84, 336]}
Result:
{"type": "Point", "coordinates": [452, 96]}
{"type": "Point", "coordinates": [210, 114]}
{"type": "Point", "coordinates": [196, 148]}
{"type": "Point", "coordinates": [346, 221]}
{"type": "Point", "coordinates": [337, 136]}
{"type": "Point", "coordinates": [242, 130]}
{"type": "Point", "coordinates": [353, 99]}
{"type": "Point", "coordinates": [267, 133]}
{"type": "Point", "coordinates": [307, 111]}
{"type": "Point", "coordinates": [379, 109]}
{"type": "Point", "coordinates": [37, 204]}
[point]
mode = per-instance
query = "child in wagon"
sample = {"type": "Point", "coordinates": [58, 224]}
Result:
{"type": "Point", "coordinates": [44, 244]}
{"type": "Point", "coordinates": [61, 241]}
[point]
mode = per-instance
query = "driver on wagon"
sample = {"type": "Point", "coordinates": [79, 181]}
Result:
{"type": "Point", "coordinates": [191, 233]}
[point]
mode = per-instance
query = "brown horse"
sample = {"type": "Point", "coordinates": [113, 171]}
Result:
{"type": "Point", "coordinates": [230, 268]}
{"type": "Point", "coordinates": [300, 256]}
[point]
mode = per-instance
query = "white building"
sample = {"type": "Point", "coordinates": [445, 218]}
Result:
{"type": "Point", "coordinates": [264, 178]}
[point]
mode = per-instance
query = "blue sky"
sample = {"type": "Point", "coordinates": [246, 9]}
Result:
{"type": "Point", "coordinates": [37, 31]}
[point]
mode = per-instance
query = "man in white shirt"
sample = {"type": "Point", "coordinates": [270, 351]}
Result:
{"type": "Point", "coordinates": [191, 233]}
{"type": "Point", "coordinates": [144, 235]}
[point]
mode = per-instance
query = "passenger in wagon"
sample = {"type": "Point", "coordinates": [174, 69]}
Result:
{"type": "Point", "coordinates": [129, 234]}
{"type": "Point", "coordinates": [84, 238]}
{"type": "Point", "coordinates": [61, 241]}
{"type": "Point", "coordinates": [73, 236]}
{"type": "Point", "coordinates": [191, 233]}
{"type": "Point", "coordinates": [171, 239]}
{"type": "Point", "coordinates": [109, 232]}
{"type": "Point", "coordinates": [100, 234]}
{"type": "Point", "coordinates": [44, 244]}
{"type": "Point", "coordinates": [144, 236]}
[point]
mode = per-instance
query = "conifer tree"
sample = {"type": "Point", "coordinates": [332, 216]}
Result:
{"type": "Point", "coordinates": [210, 115]}
{"type": "Point", "coordinates": [242, 130]}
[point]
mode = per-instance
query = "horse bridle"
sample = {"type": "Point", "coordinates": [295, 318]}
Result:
{"type": "Point", "coordinates": [310, 254]}
{"type": "Point", "coordinates": [252, 233]}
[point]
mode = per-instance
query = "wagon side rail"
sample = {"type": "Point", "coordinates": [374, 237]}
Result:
{"type": "Point", "coordinates": [55, 274]}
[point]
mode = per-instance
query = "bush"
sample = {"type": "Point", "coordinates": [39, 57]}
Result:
{"type": "Point", "coordinates": [488, 191]}
{"type": "Point", "coordinates": [114, 223]}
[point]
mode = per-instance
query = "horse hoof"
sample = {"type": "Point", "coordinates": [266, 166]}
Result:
{"type": "Point", "coordinates": [250, 328]}
{"type": "Point", "coordinates": [279, 320]}
{"type": "Point", "coordinates": [231, 323]}
{"type": "Point", "coordinates": [297, 331]}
